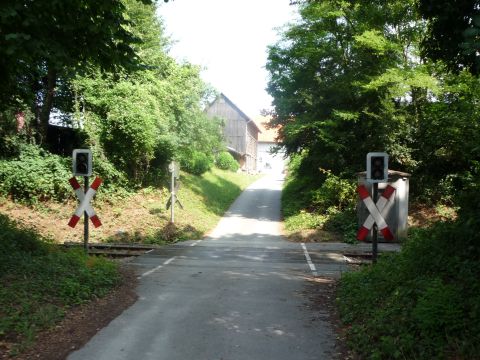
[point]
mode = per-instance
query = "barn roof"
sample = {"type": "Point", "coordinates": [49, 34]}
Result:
{"type": "Point", "coordinates": [245, 116]}
{"type": "Point", "coordinates": [266, 135]}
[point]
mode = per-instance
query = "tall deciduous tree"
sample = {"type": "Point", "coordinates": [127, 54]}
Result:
{"type": "Point", "coordinates": [453, 32]}
{"type": "Point", "coordinates": [43, 41]}
{"type": "Point", "coordinates": [142, 118]}
{"type": "Point", "coordinates": [343, 80]}
{"type": "Point", "coordinates": [350, 78]}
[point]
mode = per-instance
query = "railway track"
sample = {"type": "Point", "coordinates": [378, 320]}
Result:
{"type": "Point", "coordinates": [129, 250]}
{"type": "Point", "coordinates": [113, 250]}
{"type": "Point", "coordinates": [359, 258]}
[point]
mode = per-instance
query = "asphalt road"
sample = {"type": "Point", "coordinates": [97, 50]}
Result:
{"type": "Point", "coordinates": [238, 294]}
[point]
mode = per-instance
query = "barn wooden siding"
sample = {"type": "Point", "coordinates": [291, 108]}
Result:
{"type": "Point", "coordinates": [240, 132]}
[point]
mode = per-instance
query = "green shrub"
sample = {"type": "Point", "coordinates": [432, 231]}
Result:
{"type": "Point", "coordinates": [342, 221]}
{"type": "Point", "coordinates": [35, 174]}
{"type": "Point", "coordinates": [423, 303]}
{"type": "Point", "coordinates": [226, 161]}
{"type": "Point", "coordinates": [327, 202]}
{"type": "Point", "coordinates": [197, 164]}
{"type": "Point", "coordinates": [334, 192]}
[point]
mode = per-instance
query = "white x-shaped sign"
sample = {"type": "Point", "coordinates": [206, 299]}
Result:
{"type": "Point", "coordinates": [85, 199]}
{"type": "Point", "coordinates": [377, 212]}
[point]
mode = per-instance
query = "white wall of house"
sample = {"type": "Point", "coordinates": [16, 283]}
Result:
{"type": "Point", "coordinates": [269, 163]}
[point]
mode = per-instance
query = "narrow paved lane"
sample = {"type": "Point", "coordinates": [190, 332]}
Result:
{"type": "Point", "coordinates": [239, 294]}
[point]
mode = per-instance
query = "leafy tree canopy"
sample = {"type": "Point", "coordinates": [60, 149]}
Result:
{"type": "Point", "coordinates": [350, 78]}
{"type": "Point", "coordinates": [453, 32]}
{"type": "Point", "coordinates": [42, 41]}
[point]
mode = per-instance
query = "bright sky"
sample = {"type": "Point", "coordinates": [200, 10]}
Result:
{"type": "Point", "coordinates": [228, 38]}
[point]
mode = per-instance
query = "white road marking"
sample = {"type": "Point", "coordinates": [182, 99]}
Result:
{"type": "Point", "coordinates": [195, 243]}
{"type": "Point", "coordinates": [156, 268]}
{"type": "Point", "coordinates": [169, 260]}
{"type": "Point", "coordinates": [309, 260]}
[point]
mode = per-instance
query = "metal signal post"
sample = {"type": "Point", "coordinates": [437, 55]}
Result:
{"type": "Point", "coordinates": [375, 227]}
{"type": "Point", "coordinates": [82, 166]}
{"type": "Point", "coordinates": [174, 168]}
{"type": "Point", "coordinates": [172, 198]}
{"type": "Point", "coordinates": [85, 221]}
{"type": "Point", "coordinates": [377, 172]}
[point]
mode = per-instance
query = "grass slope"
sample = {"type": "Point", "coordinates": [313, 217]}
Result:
{"type": "Point", "coordinates": [141, 216]}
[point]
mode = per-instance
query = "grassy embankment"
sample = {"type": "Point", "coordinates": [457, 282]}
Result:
{"type": "Point", "coordinates": [140, 216]}
{"type": "Point", "coordinates": [39, 281]}
{"type": "Point", "coordinates": [422, 303]}
{"type": "Point", "coordinates": [319, 213]}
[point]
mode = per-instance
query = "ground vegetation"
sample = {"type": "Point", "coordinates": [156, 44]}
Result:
{"type": "Point", "coordinates": [352, 77]}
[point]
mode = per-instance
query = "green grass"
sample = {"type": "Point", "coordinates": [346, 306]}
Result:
{"type": "Point", "coordinates": [304, 220]}
{"type": "Point", "coordinates": [39, 281]}
{"type": "Point", "coordinates": [205, 199]}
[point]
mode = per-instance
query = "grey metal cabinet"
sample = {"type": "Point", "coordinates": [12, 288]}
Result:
{"type": "Point", "coordinates": [397, 215]}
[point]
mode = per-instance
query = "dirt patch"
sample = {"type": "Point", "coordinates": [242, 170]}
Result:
{"type": "Point", "coordinates": [82, 322]}
{"type": "Point", "coordinates": [321, 291]}
{"type": "Point", "coordinates": [421, 215]}
{"type": "Point", "coordinates": [314, 235]}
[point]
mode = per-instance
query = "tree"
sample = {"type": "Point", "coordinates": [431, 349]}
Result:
{"type": "Point", "coordinates": [453, 38]}
{"type": "Point", "coordinates": [453, 32]}
{"type": "Point", "coordinates": [144, 117]}
{"type": "Point", "coordinates": [344, 81]}
{"type": "Point", "coordinates": [46, 42]}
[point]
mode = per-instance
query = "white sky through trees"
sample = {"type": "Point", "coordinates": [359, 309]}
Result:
{"type": "Point", "coordinates": [229, 38]}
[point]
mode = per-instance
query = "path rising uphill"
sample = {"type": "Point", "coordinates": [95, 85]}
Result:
{"type": "Point", "coordinates": [238, 294]}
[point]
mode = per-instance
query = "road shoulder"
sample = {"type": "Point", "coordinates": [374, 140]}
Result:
{"type": "Point", "coordinates": [81, 323]}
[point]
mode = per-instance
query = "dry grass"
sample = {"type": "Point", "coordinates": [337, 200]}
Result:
{"type": "Point", "coordinates": [142, 217]}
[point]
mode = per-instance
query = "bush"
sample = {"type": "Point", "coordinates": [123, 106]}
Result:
{"type": "Point", "coordinates": [35, 174]}
{"type": "Point", "coordinates": [197, 164]}
{"type": "Point", "coordinates": [226, 161]}
{"type": "Point", "coordinates": [326, 202]}
{"type": "Point", "coordinates": [334, 192]}
{"type": "Point", "coordinates": [342, 221]}
{"type": "Point", "coordinates": [423, 303]}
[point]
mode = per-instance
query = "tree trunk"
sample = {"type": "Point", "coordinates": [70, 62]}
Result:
{"type": "Point", "coordinates": [50, 83]}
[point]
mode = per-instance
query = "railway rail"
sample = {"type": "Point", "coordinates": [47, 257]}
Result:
{"type": "Point", "coordinates": [114, 250]}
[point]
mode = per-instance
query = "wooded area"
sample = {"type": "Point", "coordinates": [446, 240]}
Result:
{"type": "Point", "coordinates": [352, 77]}
{"type": "Point", "coordinates": [102, 74]}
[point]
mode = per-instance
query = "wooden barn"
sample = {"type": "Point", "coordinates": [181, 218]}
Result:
{"type": "Point", "coordinates": [240, 132]}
